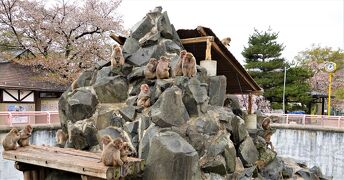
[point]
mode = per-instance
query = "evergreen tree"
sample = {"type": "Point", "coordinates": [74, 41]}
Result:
{"type": "Point", "coordinates": [265, 64]}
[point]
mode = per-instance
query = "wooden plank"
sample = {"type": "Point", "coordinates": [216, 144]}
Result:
{"type": "Point", "coordinates": [197, 40]}
{"type": "Point", "coordinates": [208, 50]}
{"type": "Point", "coordinates": [65, 159]}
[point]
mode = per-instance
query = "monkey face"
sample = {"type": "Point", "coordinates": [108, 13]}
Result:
{"type": "Point", "coordinates": [182, 53]}
{"type": "Point", "coordinates": [118, 50]}
{"type": "Point", "coordinates": [14, 131]}
{"type": "Point", "coordinates": [144, 88]}
{"type": "Point", "coordinates": [153, 61]}
{"type": "Point", "coordinates": [118, 143]}
{"type": "Point", "coordinates": [106, 140]}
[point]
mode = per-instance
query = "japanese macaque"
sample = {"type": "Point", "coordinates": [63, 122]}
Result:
{"type": "Point", "coordinates": [266, 123]}
{"type": "Point", "coordinates": [61, 138]}
{"type": "Point", "coordinates": [111, 154]}
{"type": "Point", "coordinates": [162, 70]}
{"type": "Point", "coordinates": [10, 141]}
{"type": "Point", "coordinates": [267, 137]}
{"type": "Point", "coordinates": [125, 152]}
{"type": "Point", "coordinates": [189, 65]}
{"type": "Point", "coordinates": [143, 98]}
{"type": "Point", "coordinates": [178, 69]}
{"type": "Point", "coordinates": [117, 58]}
{"type": "Point", "coordinates": [226, 41]}
{"type": "Point", "coordinates": [106, 140]}
{"type": "Point", "coordinates": [150, 69]}
{"type": "Point", "coordinates": [25, 135]}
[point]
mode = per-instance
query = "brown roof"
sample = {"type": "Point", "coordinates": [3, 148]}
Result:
{"type": "Point", "coordinates": [16, 76]}
{"type": "Point", "coordinates": [238, 80]}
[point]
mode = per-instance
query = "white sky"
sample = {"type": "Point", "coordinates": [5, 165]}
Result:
{"type": "Point", "coordinates": [300, 23]}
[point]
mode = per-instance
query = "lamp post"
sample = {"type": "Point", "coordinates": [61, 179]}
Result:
{"type": "Point", "coordinates": [284, 81]}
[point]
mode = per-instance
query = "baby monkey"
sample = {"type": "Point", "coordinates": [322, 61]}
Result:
{"type": "Point", "coordinates": [162, 70]}
{"type": "Point", "coordinates": [178, 69]}
{"type": "Point", "coordinates": [111, 154]}
{"type": "Point", "coordinates": [150, 69]}
{"type": "Point", "coordinates": [10, 141]}
{"type": "Point", "coordinates": [25, 135]}
{"type": "Point", "coordinates": [61, 138]}
{"type": "Point", "coordinates": [143, 98]}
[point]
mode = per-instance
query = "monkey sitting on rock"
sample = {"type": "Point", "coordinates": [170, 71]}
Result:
{"type": "Point", "coordinates": [117, 58]}
{"type": "Point", "coordinates": [189, 65]}
{"type": "Point", "coordinates": [150, 69]}
{"type": "Point", "coordinates": [10, 141]}
{"type": "Point", "coordinates": [178, 68]}
{"type": "Point", "coordinates": [143, 98]}
{"type": "Point", "coordinates": [162, 69]}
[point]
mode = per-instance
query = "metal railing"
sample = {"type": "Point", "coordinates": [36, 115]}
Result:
{"type": "Point", "coordinates": [10, 118]}
{"type": "Point", "coordinates": [306, 119]}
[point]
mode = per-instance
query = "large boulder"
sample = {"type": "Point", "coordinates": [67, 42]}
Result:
{"type": "Point", "coordinates": [248, 152]}
{"type": "Point", "coordinates": [145, 142]}
{"type": "Point", "coordinates": [80, 104]}
{"type": "Point", "coordinates": [273, 170]}
{"type": "Point", "coordinates": [173, 157]}
{"type": "Point", "coordinates": [103, 117]}
{"type": "Point", "coordinates": [217, 90]}
{"type": "Point", "coordinates": [169, 110]}
{"type": "Point", "coordinates": [111, 89]}
{"type": "Point", "coordinates": [239, 131]}
{"type": "Point", "coordinates": [221, 145]}
{"type": "Point", "coordinates": [82, 134]}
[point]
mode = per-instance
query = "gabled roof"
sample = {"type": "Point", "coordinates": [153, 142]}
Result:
{"type": "Point", "coordinates": [238, 80]}
{"type": "Point", "coordinates": [16, 76]}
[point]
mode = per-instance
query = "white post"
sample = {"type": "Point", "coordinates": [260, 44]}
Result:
{"type": "Point", "coordinates": [284, 81]}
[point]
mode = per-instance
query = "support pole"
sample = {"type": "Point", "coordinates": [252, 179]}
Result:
{"type": "Point", "coordinates": [208, 50]}
{"type": "Point", "coordinates": [329, 95]}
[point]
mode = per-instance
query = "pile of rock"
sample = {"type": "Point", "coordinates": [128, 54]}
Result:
{"type": "Point", "coordinates": [186, 133]}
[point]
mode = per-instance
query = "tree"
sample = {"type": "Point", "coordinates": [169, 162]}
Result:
{"type": "Point", "coordinates": [65, 36]}
{"type": "Point", "coordinates": [265, 64]}
{"type": "Point", "coordinates": [315, 59]}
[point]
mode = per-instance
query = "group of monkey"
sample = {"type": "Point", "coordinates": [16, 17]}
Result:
{"type": "Point", "coordinates": [115, 151]}
{"type": "Point", "coordinates": [14, 136]}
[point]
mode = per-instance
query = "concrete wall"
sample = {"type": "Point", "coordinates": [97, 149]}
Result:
{"type": "Point", "coordinates": [41, 135]}
{"type": "Point", "coordinates": [314, 147]}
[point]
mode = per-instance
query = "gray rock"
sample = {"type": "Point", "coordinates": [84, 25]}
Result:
{"type": "Point", "coordinates": [196, 139]}
{"type": "Point", "coordinates": [222, 144]}
{"type": "Point", "coordinates": [102, 63]}
{"type": "Point", "coordinates": [130, 46]}
{"type": "Point", "coordinates": [131, 127]}
{"type": "Point", "coordinates": [215, 165]}
{"type": "Point", "coordinates": [273, 170]}
{"type": "Point", "coordinates": [169, 110]}
{"type": "Point", "coordinates": [128, 113]}
{"type": "Point", "coordinates": [217, 90]}
{"type": "Point", "coordinates": [171, 46]}
{"type": "Point", "coordinates": [142, 55]}
{"type": "Point", "coordinates": [81, 104]}
{"type": "Point", "coordinates": [137, 73]}
{"type": "Point", "coordinates": [248, 152]}
{"type": "Point", "coordinates": [103, 117]}
{"type": "Point", "coordinates": [131, 101]}
{"type": "Point", "coordinates": [63, 109]}
{"type": "Point", "coordinates": [165, 26]}
{"type": "Point", "coordinates": [144, 145]}
{"type": "Point", "coordinates": [206, 125]}
{"type": "Point", "coordinates": [307, 175]}
{"type": "Point", "coordinates": [117, 121]}
{"type": "Point", "coordinates": [212, 176]}
{"type": "Point", "coordinates": [163, 84]}
{"type": "Point", "coordinates": [202, 74]}
{"type": "Point", "coordinates": [111, 89]}
{"type": "Point", "coordinates": [103, 73]}
{"type": "Point", "coordinates": [87, 78]}
{"type": "Point", "coordinates": [82, 134]}
{"type": "Point", "coordinates": [239, 132]}
{"type": "Point", "coordinates": [141, 28]}
{"type": "Point", "coordinates": [144, 123]}
{"type": "Point", "coordinates": [174, 158]}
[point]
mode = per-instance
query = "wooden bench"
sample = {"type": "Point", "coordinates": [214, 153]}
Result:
{"type": "Point", "coordinates": [33, 160]}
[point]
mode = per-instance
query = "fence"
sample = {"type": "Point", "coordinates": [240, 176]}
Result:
{"type": "Point", "coordinates": [10, 118]}
{"type": "Point", "coordinates": [306, 119]}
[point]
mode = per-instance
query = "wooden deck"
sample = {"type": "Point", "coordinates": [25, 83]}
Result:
{"type": "Point", "coordinates": [80, 162]}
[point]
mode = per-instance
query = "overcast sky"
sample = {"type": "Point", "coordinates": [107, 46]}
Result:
{"type": "Point", "coordinates": [300, 23]}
